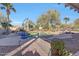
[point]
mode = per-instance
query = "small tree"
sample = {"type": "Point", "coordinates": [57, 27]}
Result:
{"type": "Point", "coordinates": [28, 24]}
{"type": "Point", "coordinates": [49, 19]}
{"type": "Point", "coordinates": [5, 22]}
{"type": "Point", "coordinates": [76, 23]}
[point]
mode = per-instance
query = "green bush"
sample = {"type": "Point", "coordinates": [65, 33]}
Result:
{"type": "Point", "coordinates": [57, 48]}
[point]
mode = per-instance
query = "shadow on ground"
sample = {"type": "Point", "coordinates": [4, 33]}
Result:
{"type": "Point", "coordinates": [30, 53]}
{"type": "Point", "coordinates": [71, 44]}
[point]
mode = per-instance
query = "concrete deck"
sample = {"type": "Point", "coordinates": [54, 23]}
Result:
{"type": "Point", "coordinates": [39, 46]}
{"type": "Point", "coordinates": [34, 47]}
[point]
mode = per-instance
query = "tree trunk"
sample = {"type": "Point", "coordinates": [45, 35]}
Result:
{"type": "Point", "coordinates": [27, 26]}
{"type": "Point", "coordinates": [7, 24]}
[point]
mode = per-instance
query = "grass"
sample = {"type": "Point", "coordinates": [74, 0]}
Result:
{"type": "Point", "coordinates": [33, 33]}
{"type": "Point", "coordinates": [43, 33]}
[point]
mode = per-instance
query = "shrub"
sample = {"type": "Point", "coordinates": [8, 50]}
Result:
{"type": "Point", "coordinates": [57, 48]}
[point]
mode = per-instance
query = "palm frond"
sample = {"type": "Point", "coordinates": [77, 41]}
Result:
{"type": "Point", "coordinates": [13, 9]}
{"type": "Point", "coordinates": [2, 7]}
{"type": "Point", "coordinates": [6, 4]}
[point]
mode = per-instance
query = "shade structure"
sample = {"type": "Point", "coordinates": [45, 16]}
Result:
{"type": "Point", "coordinates": [74, 6]}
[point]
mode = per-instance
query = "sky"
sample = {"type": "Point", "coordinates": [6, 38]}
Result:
{"type": "Point", "coordinates": [34, 10]}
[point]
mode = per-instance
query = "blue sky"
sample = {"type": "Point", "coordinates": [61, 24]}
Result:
{"type": "Point", "coordinates": [34, 10]}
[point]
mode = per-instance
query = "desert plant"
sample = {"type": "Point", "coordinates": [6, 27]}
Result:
{"type": "Point", "coordinates": [57, 48]}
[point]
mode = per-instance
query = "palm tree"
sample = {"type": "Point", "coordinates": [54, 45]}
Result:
{"type": "Point", "coordinates": [8, 7]}
{"type": "Point", "coordinates": [66, 19]}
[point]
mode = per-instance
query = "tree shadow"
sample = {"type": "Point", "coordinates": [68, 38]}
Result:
{"type": "Point", "coordinates": [55, 37]}
{"type": "Point", "coordinates": [30, 53]}
{"type": "Point", "coordinates": [71, 44]}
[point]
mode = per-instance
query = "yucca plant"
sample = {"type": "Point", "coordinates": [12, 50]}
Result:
{"type": "Point", "coordinates": [57, 48]}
